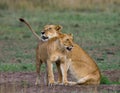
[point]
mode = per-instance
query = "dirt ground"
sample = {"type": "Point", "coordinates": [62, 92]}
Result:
{"type": "Point", "coordinates": [23, 82]}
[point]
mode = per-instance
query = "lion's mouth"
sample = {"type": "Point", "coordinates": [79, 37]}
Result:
{"type": "Point", "coordinates": [44, 38]}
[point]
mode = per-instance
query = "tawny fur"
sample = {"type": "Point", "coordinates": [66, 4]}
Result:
{"type": "Point", "coordinates": [54, 50]}
{"type": "Point", "coordinates": [43, 49]}
{"type": "Point", "coordinates": [82, 67]}
{"type": "Point", "coordinates": [29, 26]}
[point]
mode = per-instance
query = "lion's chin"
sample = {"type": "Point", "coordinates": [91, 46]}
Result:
{"type": "Point", "coordinates": [44, 40]}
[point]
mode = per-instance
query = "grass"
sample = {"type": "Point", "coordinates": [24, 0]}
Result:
{"type": "Point", "coordinates": [19, 67]}
{"type": "Point", "coordinates": [95, 28]}
{"type": "Point", "coordinates": [97, 33]}
{"type": "Point", "coordinates": [105, 80]}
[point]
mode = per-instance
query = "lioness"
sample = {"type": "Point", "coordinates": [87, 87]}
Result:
{"type": "Point", "coordinates": [82, 67]}
{"type": "Point", "coordinates": [54, 50]}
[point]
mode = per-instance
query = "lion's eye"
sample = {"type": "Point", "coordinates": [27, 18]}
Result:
{"type": "Point", "coordinates": [49, 28]}
{"type": "Point", "coordinates": [67, 39]}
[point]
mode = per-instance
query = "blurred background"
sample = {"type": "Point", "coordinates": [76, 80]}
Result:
{"type": "Point", "coordinates": [95, 25]}
{"type": "Point", "coordinates": [77, 5]}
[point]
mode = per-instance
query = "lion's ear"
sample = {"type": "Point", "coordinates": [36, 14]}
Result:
{"type": "Point", "coordinates": [46, 26]}
{"type": "Point", "coordinates": [58, 27]}
{"type": "Point", "coordinates": [71, 35]}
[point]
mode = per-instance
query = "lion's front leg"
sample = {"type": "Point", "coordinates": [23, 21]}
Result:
{"type": "Point", "coordinates": [38, 65]}
{"type": "Point", "coordinates": [59, 72]}
{"type": "Point", "coordinates": [50, 72]}
{"type": "Point", "coordinates": [63, 68]}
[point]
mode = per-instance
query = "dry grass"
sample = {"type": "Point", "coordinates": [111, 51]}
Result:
{"type": "Point", "coordinates": [83, 5]}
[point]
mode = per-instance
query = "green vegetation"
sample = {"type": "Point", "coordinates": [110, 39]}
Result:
{"type": "Point", "coordinates": [105, 80]}
{"type": "Point", "coordinates": [97, 33]}
{"type": "Point", "coordinates": [17, 67]}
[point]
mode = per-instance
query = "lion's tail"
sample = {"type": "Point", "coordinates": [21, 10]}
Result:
{"type": "Point", "coordinates": [24, 21]}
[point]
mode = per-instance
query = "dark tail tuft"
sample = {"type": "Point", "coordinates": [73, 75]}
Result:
{"type": "Point", "coordinates": [21, 19]}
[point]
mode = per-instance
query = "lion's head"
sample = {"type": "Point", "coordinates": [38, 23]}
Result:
{"type": "Point", "coordinates": [50, 31]}
{"type": "Point", "coordinates": [66, 41]}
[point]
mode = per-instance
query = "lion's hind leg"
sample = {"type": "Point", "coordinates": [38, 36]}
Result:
{"type": "Point", "coordinates": [38, 65]}
{"type": "Point", "coordinates": [87, 80]}
{"type": "Point", "coordinates": [83, 80]}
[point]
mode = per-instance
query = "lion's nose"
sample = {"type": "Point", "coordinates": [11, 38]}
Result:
{"type": "Point", "coordinates": [69, 48]}
{"type": "Point", "coordinates": [42, 32]}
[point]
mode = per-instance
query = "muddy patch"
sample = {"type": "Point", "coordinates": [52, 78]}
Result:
{"type": "Point", "coordinates": [23, 82]}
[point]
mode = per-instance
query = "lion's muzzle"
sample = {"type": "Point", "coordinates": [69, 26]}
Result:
{"type": "Point", "coordinates": [69, 48]}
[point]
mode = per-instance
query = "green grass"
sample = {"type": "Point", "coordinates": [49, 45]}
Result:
{"type": "Point", "coordinates": [96, 32]}
{"type": "Point", "coordinates": [19, 67]}
{"type": "Point", "coordinates": [105, 80]}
